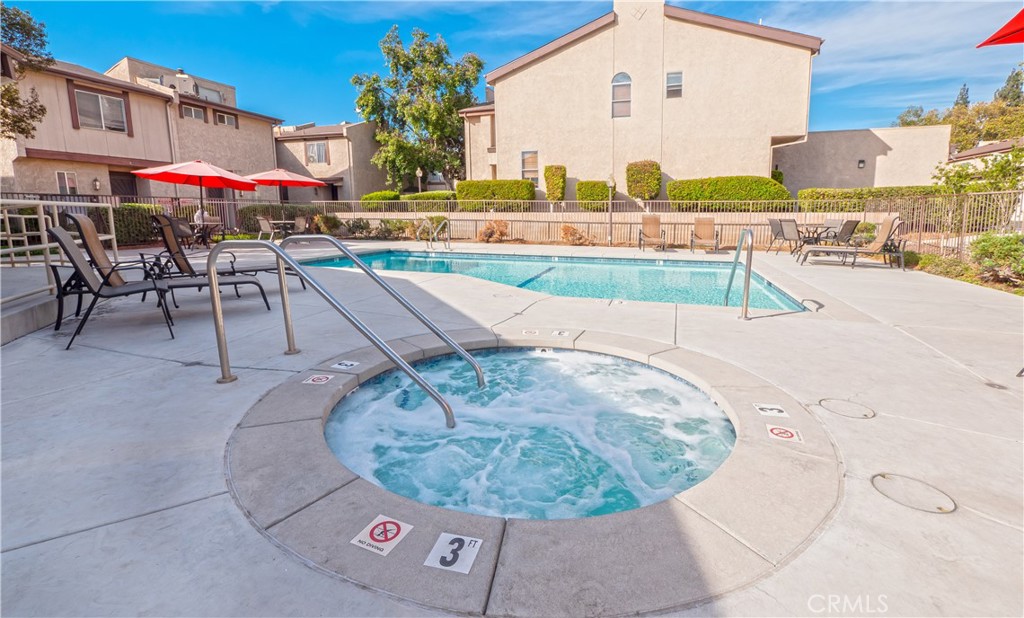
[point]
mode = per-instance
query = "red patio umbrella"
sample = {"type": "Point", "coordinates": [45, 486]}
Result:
{"type": "Point", "coordinates": [197, 173]}
{"type": "Point", "coordinates": [283, 178]}
{"type": "Point", "coordinates": [1012, 32]}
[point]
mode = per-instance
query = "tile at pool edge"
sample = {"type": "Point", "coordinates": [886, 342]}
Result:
{"type": "Point", "coordinates": [293, 400]}
{"type": "Point", "coordinates": [322, 534]}
{"type": "Point", "coordinates": [772, 498]}
{"type": "Point", "coordinates": [279, 469]}
{"type": "Point", "coordinates": [371, 360]}
{"type": "Point", "coordinates": [468, 338]}
{"type": "Point", "coordinates": [643, 560]}
{"type": "Point", "coordinates": [544, 337]}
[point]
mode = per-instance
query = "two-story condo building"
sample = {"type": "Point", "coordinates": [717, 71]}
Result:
{"type": "Point", "coordinates": [337, 154]}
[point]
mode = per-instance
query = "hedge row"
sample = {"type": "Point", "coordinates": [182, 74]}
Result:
{"type": "Point", "coordinates": [132, 222]}
{"type": "Point", "coordinates": [380, 196]}
{"type": "Point", "coordinates": [593, 194]}
{"type": "Point", "coordinates": [723, 188]}
{"type": "Point", "coordinates": [495, 190]}
{"type": "Point", "coordinates": [429, 196]}
{"type": "Point", "coordinates": [867, 193]}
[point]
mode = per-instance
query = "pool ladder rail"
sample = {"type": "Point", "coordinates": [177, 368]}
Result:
{"type": "Point", "coordinates": [434, 232]}
{"type": "Point", "coordinates": [746, 235]}
{"type": "Point", "coordinates": [284, 259]}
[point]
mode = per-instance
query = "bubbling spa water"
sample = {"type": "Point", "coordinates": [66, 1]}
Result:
{"type": "Point", "coordinates": [554, 435]}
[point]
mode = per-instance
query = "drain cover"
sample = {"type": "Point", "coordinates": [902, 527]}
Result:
{"type": "Point", "coordinates": [913, 493]}
{"type": "Point", "coordinates": [849, 409]}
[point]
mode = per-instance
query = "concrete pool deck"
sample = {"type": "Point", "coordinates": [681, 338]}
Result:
{"type": "Point", "coordinates": [115, 500]}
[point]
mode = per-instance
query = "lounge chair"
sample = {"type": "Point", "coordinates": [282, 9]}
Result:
{"type": "Point", "coordinates": [886, 244]}
{"type": "Point", "coordinates": [88, 281]}
{"type": "Point", "coordinates": [843, 235]}
{"type": "Point", "coordinates": [776, 229]}
{"type": "Point", "coordinates": [651, 232]}
{"type": "Point", "coordinates": [299, 227]}
{"type": "Point", "coordinates": [704, 233]}
{"type": "Point", "coordinates": [791, 233]}
{"type": "Point", "coordinates": [266, 227]}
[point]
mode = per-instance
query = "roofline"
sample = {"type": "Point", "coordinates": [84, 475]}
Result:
{"type": "Point", "coordinates": [562, 41]}
{"type": "Point", "coordinates": [160, 66]}
{"type": "Point", "coordinates": [107, 82]}
{"type": "Point", "coordinates": [988, 149]}
{"type": "Point", "coordinates": [484, 109]}
{"type": "Point", "coordinates": [13, 53]}
{"type": "Point", "coordinates": [316, 137]}
{"type": "Point", "coordinates": [778, 35]}
{"type": "Point", "coordinates": [196, 101]}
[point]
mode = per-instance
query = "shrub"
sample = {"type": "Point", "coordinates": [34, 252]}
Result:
{"type": "Point", "coordinates": [593, 194]}
{"type": "Point", "coordinates": [945, 267]}
{"type": "Point", "coordinates": [326, 224]}
{"type": "Point", "coordinates": [778, 176]}
{"type": "Point", "coordinates": [495, 190]}
{"type": "Point", "coordinates": [359, 227]}
{"type": "Point", "coordinates": [388, 229]}
{"type": "Point", "coordinates": [493, 231]}
{"type": "Point", "coordinates": [430, 201]}
{"type": "Point", "coordinates": [911, 259]}
{"type": "Point", "coordinates": [278, 212]}
{"type": "Point", "coordinates": [572, 236]}
{"type": "Point", "coordinates": [380, 196]}
{"type": "Point", "coordinates": [554, 181]}
{"type": "Point", "coordinates": [643, 180]}
{"type": "Point", "coordinates": [132, 223]}
{"type": "Point", "coordinates": [864, 233]}
{"type": "Point", "coordinates": [727, 188]}
{"type": "Point", "coordinates": [866, 193]}
{"type": "Point", "coordinates": [1000, 258]}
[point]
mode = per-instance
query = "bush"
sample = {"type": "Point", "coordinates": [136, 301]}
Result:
{"type": "Point", "coordinates": [388, 229]}
{"type": "Point", "coordinates": [494, 231]}
{"type": "Point", "coordinates": [911, 259]}
{"type": "Point", "coordinates": [778, 176]}
{"type": "Point", "coordinates": [326, 224]}
{"type": "Point", "coordinates": [380, 196]}
{"type": "Point", "coordinates": [643, 180]}
{"type": "Point", "coordinates": [359, 227]}
{"type": "Point", "coordinates": [945, 267]}
{"type": "Point", "coordinates": [431, 201]}
{"type": "Point", "coordinates": [1000, 258]}
{"type": "Point", "coordinates": [572, 236]}
{"type": "Point", "coordinates": [727, 188]}
{"type": "Point", "coordinates": [867, 193]}
{"type": "Point", "coordinates": [554, 182]}
{"type": "Point", "coordinates": [495, 190]}
{"type": "Point", "coordinates": [132, 223]}
{"type": "Point", "coordinates": [276, 212]}
{"type": "Point", "coordinates": [593, 194]}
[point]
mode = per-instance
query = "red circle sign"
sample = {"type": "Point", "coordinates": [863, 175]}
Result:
{"type": "Point", "coordinates": [385, 531]}
{"type": "Point", "coordinates": [781, 432]}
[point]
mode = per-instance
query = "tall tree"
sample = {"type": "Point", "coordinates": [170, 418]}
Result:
{"type": "Point", "coordinates": [19, 116]}
{"type": "Point", "coordinates": [416, 106]}
{"type": "Point", "coordinates": [962, 98]}
{"type": "Point", "coordinates": [1012, 92]}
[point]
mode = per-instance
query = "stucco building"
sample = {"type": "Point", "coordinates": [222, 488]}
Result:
{"type": "Point", "coordinates": [100, 126]}
{"type": "Point", "coordinates": [703, 95]}
{"type": "Point", "coordinates": [890, 157]}
{"type": "Point", "coordinates": [338, 155]}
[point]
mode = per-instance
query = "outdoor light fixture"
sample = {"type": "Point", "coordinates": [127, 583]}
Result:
{"type": "Point", "coordinates": [95, 184]}
{"type": "Point", "coordinates": [611, 195]}
{"type": "Point", "coordinates": [860, 164]}
{"type": "Point", "coordinates": [419, 179]}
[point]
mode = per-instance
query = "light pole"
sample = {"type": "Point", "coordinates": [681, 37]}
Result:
{"type": "Point", "coordinates": [419, 180]}
{"type": "Point", "coordinates": [611, 195]}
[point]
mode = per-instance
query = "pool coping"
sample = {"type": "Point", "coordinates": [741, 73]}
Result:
{"type": "Point", "coordinates": [762, 507]}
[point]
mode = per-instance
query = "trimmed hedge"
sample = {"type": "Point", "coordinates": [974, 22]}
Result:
{"type": "Point", "coordinates": [554, 181]}
{"type": "Point", "coordinates": [518, 192]}
{"type": "Point", "coordinates": [778, 177]}
{"type": "Point", "coordinates": [643, 180]}
{"type": "Point", "coordinates": [132, 223]}
{"type": "Point", "coordinates": [380, 196]}
{"type": "Point", "coordinates": [727, 188]}
{"type": "Point", "coordinates": [430, 196]}
{"type": "Point", "coordinates": [867, 193]}
{"type": "Point", "coordinates": [593, 194]}
{"type": "Point", "coordinates": [432, 201]}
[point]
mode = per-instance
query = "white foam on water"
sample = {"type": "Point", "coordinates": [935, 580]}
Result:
{"type": "Point", "coordinates": [553, 435]}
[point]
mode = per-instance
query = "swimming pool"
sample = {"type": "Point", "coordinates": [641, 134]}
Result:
{"type": "Point", "coordinates": [555, 434]}
{"type": "Point", "coordinates": [663, 281]}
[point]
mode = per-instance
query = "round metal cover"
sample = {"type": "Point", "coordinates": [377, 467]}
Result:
{"type": "Point", "coordinates": [846, 408]}
{"type": "Point", "coordinates": [913, 493]}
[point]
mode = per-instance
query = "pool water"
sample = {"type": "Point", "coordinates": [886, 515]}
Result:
{"type": "Point", "coordinates": [664, 281]}
{"type": "Point", "coordinates": [555, 434]}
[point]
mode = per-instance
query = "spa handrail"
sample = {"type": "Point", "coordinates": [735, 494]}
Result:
{"type": "Point", "coordinates": [284, 259]}
{"type": "Point", "coordinates": [433, 233]}
{"type": "Point", "coordinates": [466, 356]}
{"type": "Point", "coordinates": [746, 234]}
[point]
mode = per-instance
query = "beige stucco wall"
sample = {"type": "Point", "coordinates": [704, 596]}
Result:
{"type": "Point", "coordinates": [738, 93]}
{"type": "Point", "coordinates": [245, 150]}
{"type": "Point", "coordinates": [132, 70]}
{"type": "Point", "coordinates": [8, 151]}
{"type": "Point", "coordinates": [478, 132]}
{"type": "Point", "coordinates": [349, 159]}
{"type": "Point", "coordinates": [149, 141]}
{"type": "Point", "coordinates": [892, 157]}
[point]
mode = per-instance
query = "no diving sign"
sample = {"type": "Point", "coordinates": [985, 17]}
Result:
{"type": "Point", "coordinates": [382, 535]}
{"type": "Point", "coordinates": [784, 433]}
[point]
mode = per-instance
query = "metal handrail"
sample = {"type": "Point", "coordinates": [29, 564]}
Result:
{"type": "Point", "coordinates": [434, 233]}
{"type": "Point", "coordinates": [284, 259]}
{"type": "Point", "coordinates": [748, 235]}
{"type": "Point", "coordinates": [394, 294]}
{"type": "Point", "coordinates": [448, 237]}
{"type": "Point", "coordinates": [430, 229]}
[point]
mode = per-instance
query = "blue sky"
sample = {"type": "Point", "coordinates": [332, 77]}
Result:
{"type": "Point", "coordinates": [294, 60]}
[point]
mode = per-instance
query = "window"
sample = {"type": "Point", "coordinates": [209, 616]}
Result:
{"type": "Point", "coordinates": [197, 113]}
{"type": "Point", "coordinates": [67, 183]}
{"type": "Point", "coordinates": [209, 94]}
{"type": "Point", "coordinates": [97, 111]}
{"type": "Point", "coordinates": [228, 119]}
{"type": "Point", "coordinates": [621, 88]}
{"type": "Point", "coordinates": [674, 85]}
{"type": "Point", "coordinates": [530, 166]}
{"type": "Point", "coordinates": [316, 152]}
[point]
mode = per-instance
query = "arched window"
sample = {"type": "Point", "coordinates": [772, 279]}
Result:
{"type": "Point", "coordinates": [622, 86]}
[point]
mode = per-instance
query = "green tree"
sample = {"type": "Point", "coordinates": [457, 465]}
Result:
{"type": "Point", "coordinates": [998, 173]}
{"type": "Point", "coordinates": [1012, 92]}
{"type": "Point", "coordinates": [962, 98]}
{"type": "Point", "coordinates": [915, 116]}
{"type": "Point", "coordinates": [19, 116]}
{"type": "Point", "coordinates": [416, 106]}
